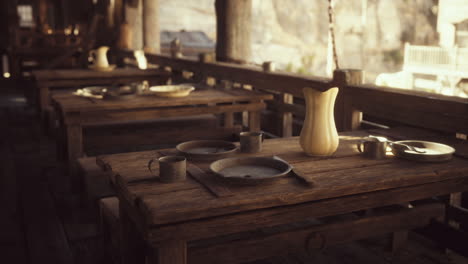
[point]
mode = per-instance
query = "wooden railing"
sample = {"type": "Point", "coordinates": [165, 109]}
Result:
{"type": "Point", "coordinates": [385, 104]}
{"type": "Point", "coordinates": [436, 60]}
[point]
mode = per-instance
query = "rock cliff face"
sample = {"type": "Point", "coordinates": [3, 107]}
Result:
{"type": "Point", "coordinates": [370, 34]}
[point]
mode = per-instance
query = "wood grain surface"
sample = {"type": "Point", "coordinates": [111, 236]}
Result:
{"type": "Point", "coordinates": [343, 174]}
{"type": "Point", "coordinates": [70, 103]}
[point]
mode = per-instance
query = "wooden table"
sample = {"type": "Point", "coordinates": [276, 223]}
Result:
{"type": "Point", "coordinates": [176, 216]}
{"type": "Point", "coordinates": [76, 112]}
{"type": "Point", "coordinates": [50, 79]}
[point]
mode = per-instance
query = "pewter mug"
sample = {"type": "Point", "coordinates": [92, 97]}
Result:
{"type": "Point", "coordinates": [171, 168]}
{"type": "Point", "coordinates": [373, 147]}
{"type": "Point", "coordinates": [251, 142]}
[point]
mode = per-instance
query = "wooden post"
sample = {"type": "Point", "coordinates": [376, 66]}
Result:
{"type": "Point", "coordinates": [346, 116]}
{"type": "Point", "coordinates": [234, 28]}
{"type": "Point", "coordinates": [151, 26]}
{"type": "Point", "coordinates": [176, 49]}
{"type": "Point", "coordinates": [200, 76]}
{"type": "Point", "coordinates": [133, 15]}
{"type": "Point", "coordinates": [42, 15]}
{"type": "Point", "coordinates": [285, 119]}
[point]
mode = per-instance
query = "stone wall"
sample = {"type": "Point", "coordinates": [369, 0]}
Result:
{"type": "Point", "coordinates": [370, 34]}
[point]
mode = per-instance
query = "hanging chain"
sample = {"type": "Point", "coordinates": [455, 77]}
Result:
{"type": "Point", "coordinates": [331, 26]}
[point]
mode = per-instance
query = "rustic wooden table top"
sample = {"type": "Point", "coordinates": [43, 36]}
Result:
{"type": "Point", "coordinates": [72, 103]}
{"type": "Point", "coordinates": [79, 74]}
{"type": "Point", "coordinates": [343, 174]}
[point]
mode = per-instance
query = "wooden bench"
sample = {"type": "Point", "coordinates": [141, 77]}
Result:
{"type": "Point", "coordinates": [96, 184]}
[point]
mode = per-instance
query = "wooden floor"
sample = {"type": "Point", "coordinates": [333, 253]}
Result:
{"type": "Point", "coordinates": [42, 221]}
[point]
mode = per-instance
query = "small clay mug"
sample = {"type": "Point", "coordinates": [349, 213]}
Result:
{"type": "Point", "coordinates": [373, 147]}
{"type": "Point", "coordinates": [171, 168]}
{"type": "Point", "coordinates": [251, 142]}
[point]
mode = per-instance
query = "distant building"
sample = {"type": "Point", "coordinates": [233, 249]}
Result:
{"type": "Point", "coordinates": [452, 23]}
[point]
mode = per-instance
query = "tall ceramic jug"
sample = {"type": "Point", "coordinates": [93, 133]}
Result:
{"type": "Point", "coordinates": [318, 135]}
{"type": "Point", "coordinates": [99, 57]}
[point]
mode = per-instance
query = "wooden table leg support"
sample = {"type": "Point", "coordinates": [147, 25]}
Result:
{"type": "Point", "coordinates": [132, 245]}
{"type": "Point", "coordinates": [74, 139]}
{"type": "Point", "coordinates": [169, 252]}
{"type": "Point", "coordinates": [254, 121]}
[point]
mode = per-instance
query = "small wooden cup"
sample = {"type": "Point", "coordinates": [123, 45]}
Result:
{"type": "Point", "coordinates": [171, 168]}
{"type": "Point", "coordinates": [251, 142]}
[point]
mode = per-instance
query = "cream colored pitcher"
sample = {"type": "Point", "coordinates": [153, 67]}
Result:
{"type": "Point", "coordinates": [318, 135]}
{"type": "Point", "coordinates": [99, 57]}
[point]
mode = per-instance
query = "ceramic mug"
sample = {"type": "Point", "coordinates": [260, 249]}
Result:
{"type": "Point", "coordinates": [251, 142]}
{"type": "Point", "coordinates": [171, 168]}
{"type": "Point", "coordinates": [373, 147]}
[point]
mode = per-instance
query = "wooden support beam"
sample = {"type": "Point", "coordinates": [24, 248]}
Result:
{"type": "Point", "coordinates": [151, 30]}
{"type": "Point", "coordinates": [285, 119]}
{"type": "Point", "coordinates": [133, 15]}
{"type": "Point", "coordinates": [346, 115]}
{"type": "Point", "coordinates": [234, 28]}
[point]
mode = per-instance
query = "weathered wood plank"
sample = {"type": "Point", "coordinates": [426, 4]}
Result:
{"type": "Point", "coordinates": [270, 217]}
{"type": "Point", "coordinates": [419, 109]}
{"type": "Point", "coordinates": [132, 166]}
{"type": "Point", "coordinates": [141, 115]}
{"type": "Point", "coordinates": [314, 237]}
{"type": "Point", "coordinates": [411, 107]}
{"type": "Point", "coordinates": [193, 204]}
{"type": "Point", "coordinates": [72, 103]}
{"type": "Point", "coordinates": [78, 74]}
{"type": "Point", "coordinates": [280, 81]}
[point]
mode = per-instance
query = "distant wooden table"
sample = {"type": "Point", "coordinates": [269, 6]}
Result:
{"type": "Point", "coordinates": [66, 78]}
{"type": "Point", "coordinates": [76, 112]}
{"type": "Point", "coordinates": [176, 216]}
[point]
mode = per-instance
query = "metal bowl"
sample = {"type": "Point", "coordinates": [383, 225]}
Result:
{"type": "Point", "coordinates": [433, 152]}
{"type": "Point", "coordinates": [171, 90]}
{"type": "Point", "coordinates": [250, 170]}
{"type": "Point", "coordinates": [206, 149]}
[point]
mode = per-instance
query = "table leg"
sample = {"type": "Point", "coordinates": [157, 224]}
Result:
{"type": "Point", "coordinates": [399, 239]}
{"type": "Point", "coordinates": [229, 119]}
{"type": "Point", "coordinates": [133, 248]}
{"type": "Point", "coordinates": [74, 134]}
{"type": "Point", "coordinates": [254, 121]}
{"type": "Point", "coordinates": [43, 98]}
{"type": "Point", "coordinates": [171, 252]}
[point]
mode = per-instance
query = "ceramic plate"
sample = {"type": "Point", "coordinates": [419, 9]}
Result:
{"type": "Point", "coordinates": [105, 92]}
{"type": "Point", "coordinates": [433, 152]}
{"type": "Point", "coordinates": [251, 170]}
{"type": "Point", "coordinates": [171, 90]}
{"type": "Point", "coordinates": [206, 149]}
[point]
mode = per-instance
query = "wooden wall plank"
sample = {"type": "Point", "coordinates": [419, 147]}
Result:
{"type": "Point", "coordinates": [317, 236]}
